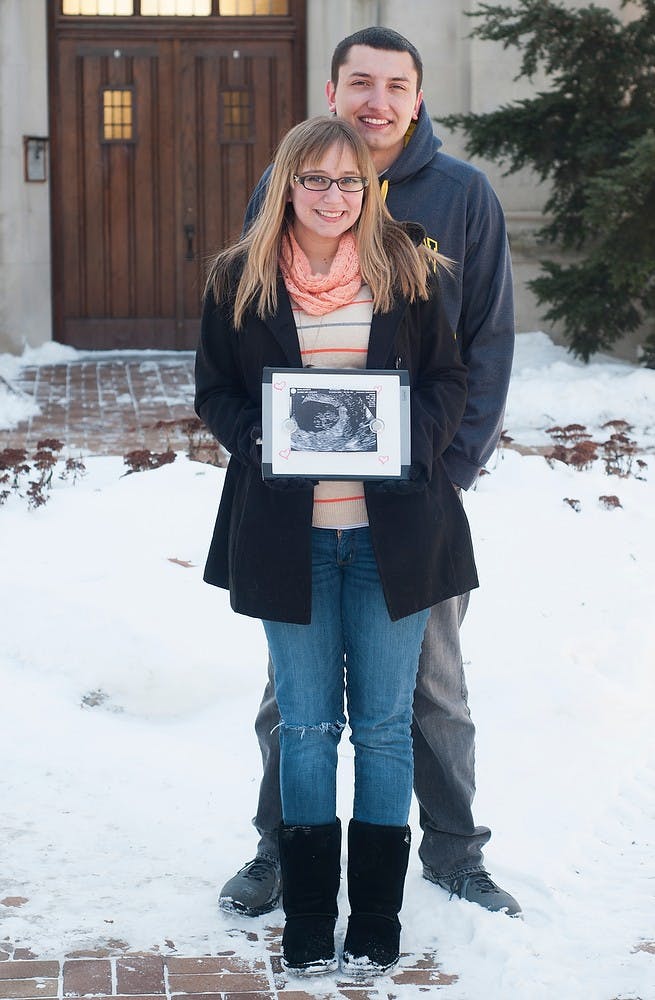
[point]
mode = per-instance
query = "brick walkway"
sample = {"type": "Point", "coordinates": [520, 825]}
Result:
{"type": "Point", "coordinates": [108, 404]}
{"type": "Point", "coordinates": [218, 977]}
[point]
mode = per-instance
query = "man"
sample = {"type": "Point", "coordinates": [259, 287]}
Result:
{"type": "Point", "coordinates": [376, 85]}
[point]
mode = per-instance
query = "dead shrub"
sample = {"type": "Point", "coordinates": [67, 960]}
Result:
{"type": "Point", "coordinates": [142, 459]}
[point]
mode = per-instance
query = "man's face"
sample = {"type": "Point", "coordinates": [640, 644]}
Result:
{"type": "Point", "coordinates": [377, 93]}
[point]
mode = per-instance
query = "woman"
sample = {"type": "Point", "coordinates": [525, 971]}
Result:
{"type": "Point", "coordinates": [342, 574]}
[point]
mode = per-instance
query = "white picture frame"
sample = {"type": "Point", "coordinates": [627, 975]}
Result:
{"type": "Point", "coordinates": [325, 423]}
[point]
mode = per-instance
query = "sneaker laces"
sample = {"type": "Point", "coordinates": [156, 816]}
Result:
{"type": "Point", "coordinates": [259, 869]}
{"type": "Point", "coordinates": [481, 880]}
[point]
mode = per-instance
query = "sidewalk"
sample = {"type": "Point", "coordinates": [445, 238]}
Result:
{"type": "Point", "coordinates": [119, 974]}
{"type": "Point", "coordinates": [109, 404]}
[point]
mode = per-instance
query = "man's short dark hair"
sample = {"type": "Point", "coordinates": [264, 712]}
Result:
{"type": "Point", "coordinates": [376, 38]}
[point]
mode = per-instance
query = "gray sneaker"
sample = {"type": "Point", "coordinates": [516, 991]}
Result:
{"type": "Point", "coordinates": [255, 889]}
{"type": "Point", "coordinates": [476, 886]}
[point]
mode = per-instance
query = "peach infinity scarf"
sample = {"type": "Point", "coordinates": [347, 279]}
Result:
{"type": "Point", "coordinates": [318, 294]}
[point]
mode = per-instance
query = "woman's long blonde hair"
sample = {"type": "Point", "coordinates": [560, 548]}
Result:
{"type": "Point", "coordinates": [390, 262]}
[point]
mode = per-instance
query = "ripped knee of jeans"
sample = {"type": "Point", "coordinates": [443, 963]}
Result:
{"type": "Point", "coordinates": [319, 729]}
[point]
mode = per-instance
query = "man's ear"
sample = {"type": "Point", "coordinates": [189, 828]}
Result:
{"type": "Point", "coordinates": [417, 106]}
{"type": "Point", "coordinates": [330, 93]}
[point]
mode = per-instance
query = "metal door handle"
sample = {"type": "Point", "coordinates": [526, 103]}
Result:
{"type": "Point", "coordinates": [189, 232]}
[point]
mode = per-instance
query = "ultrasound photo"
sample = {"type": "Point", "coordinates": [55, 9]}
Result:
{"type": "Point", "coordinates": [333, 420]}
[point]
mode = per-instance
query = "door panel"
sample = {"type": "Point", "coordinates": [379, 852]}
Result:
{"type": "Point", "coordinates": [118, 205]}
{"type": "Point", "coordinates": [135, 218]}
{"type": "Point", "coordinates": [223, 154]}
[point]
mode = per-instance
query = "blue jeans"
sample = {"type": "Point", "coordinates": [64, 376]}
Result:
{"type": "Point", "coordinates": [351, 629]}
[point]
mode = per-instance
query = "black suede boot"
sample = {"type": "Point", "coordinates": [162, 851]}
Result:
{"type": "Point", "coordinates": [377, 865]}
{"type": "Point", "coordinates": [310, 858]}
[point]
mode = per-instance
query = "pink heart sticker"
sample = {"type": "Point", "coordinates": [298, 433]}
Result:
{"type": "Point", "coordinates": [383, 459]}
{"type": "Point", "coordinates": [279, 385]}
{"type": "Point", "coordinates": [284, 453]}
{"type": "Point", "coordinates": [378, 388]}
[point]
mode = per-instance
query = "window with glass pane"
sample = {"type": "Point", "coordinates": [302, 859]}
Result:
{"type": "Point", "coordinates": [117, 115]}
{"type": "Point", "coordinates": [250, 8]}
{"type": "Point", "coordinates": [103, 8]}
{"type": "Point", "coordinates": [236, 115]}
{"type": "Point", "coordinates": [176, 8]}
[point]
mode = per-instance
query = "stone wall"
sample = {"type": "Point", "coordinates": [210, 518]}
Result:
{"type": "Point", "coordinates": [25, 297]}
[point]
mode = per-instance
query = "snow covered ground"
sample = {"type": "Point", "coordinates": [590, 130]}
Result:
{"type": "Point", "coordinates": [129, 768]}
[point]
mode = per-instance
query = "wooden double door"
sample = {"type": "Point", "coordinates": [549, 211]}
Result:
{"type": "Point", "coordinates": [157, 145]}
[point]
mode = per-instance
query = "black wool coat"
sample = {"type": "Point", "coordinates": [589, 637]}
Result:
{"type": "Point", "coordinates": [261, 547]}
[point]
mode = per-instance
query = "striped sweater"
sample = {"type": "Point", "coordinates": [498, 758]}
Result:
{"type": "Point", "coordinates": [338, 339]}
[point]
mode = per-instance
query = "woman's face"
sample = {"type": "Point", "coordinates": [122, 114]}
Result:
{"type": "Point", "coordinates": [321, 217]}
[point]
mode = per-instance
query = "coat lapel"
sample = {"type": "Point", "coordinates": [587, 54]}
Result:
{"type": "Point", "coordinates": [283, 326]}
{"type": "Point", "coordinates": [383, 332]}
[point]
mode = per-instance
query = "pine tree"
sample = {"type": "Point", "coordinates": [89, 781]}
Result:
{"type": "Point", "coordinates": [591, 134]}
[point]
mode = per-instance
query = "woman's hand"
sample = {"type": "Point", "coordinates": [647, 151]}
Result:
{"type": "Point", "coordinates": [255, 449]}
{"type": "Point", "coordinates": [290, 484]}
{"type": "Point", "coordinates": [417, 481]}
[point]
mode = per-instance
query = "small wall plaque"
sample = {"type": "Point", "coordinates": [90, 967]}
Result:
{"type": "Point", "coordinates": [35, 158]}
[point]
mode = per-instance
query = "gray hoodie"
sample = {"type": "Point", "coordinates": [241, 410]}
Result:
{"type": "Point", "coordinates": [457, 207]}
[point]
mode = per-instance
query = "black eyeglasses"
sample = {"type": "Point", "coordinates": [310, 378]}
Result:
{"type": "Point", "coordinates": [319, 182]}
